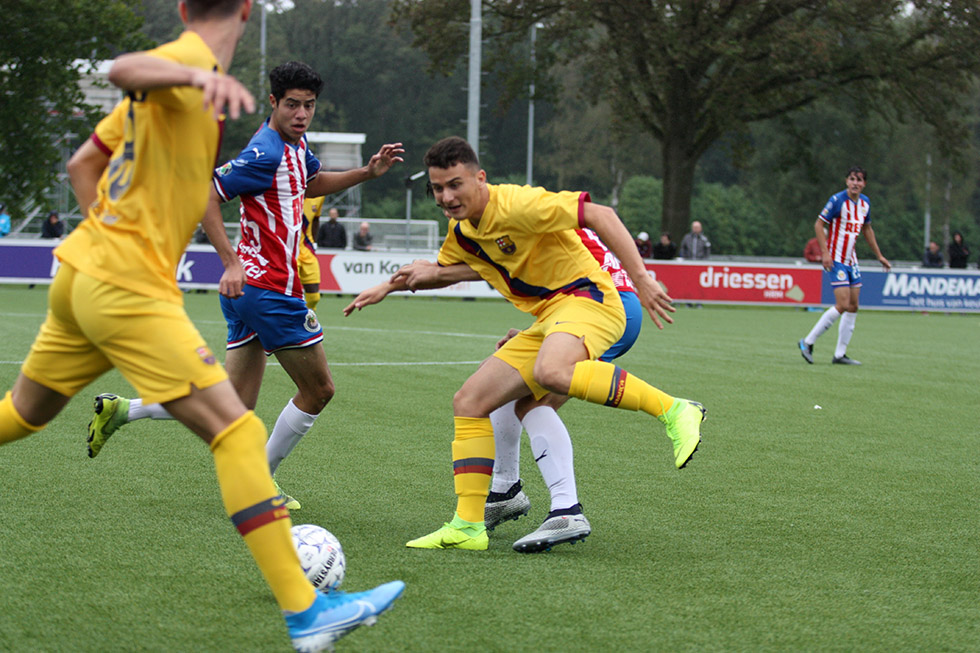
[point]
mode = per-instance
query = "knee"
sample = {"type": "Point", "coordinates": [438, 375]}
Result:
{"type": "Point", "coordinates": [319, 397]}
{"type": "Point", "coordinates": [556, 378]}
{"type": "Point", "coordinates": [469, 404]}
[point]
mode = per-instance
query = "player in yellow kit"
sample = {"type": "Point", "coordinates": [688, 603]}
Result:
{"type": "Point", "coordinates": [309, 266]}
{"type": "Point", "coordinates": [114, 301]}
{"type": "Point", "coordinates": [522, 241]}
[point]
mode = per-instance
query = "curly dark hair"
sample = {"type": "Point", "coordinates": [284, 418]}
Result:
{"type": "Point", "coordinates": [291, 75]}
{"type": "Point", "coordinates": [857, 170]}
{"type": "Point", "coordinates": [450, 151]}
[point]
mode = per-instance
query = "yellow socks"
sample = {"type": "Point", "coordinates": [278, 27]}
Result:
{"type": "Point", "coordinates": [257, 510]}
{"type": "Point", "coordinates": [312, 299]}
{"type": "Point", "coordinates": [472, 465]}
{"type": "Point", "coordinates": [604, 383]}
{"type": "Point", "coordinates": [13, 426]}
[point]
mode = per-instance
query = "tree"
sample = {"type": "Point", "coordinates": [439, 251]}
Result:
{"type": "Point", "coordinates": [41, 42]}
{"type": "Point", "coordinates": [691, 72]}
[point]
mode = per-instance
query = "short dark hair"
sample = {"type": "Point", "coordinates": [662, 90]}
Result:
{"type": "Point", "coordinates": [856, 170]}
{"type": "Point", "coordinates": [294, 74]}
{"type": "Point", "coordinates": [450, 151]}
{"type": "Point", "coordinates": [200, 9]}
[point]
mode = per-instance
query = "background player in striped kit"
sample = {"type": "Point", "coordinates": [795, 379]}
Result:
{"type": "Point", "coordinates": [846, 215]}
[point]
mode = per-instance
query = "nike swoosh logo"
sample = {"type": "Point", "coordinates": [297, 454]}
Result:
{"type": "Point", "coordinates": [278, 501]}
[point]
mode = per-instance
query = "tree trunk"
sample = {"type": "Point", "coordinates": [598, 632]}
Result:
{"type": "Point", "coordinates": [679, 167]}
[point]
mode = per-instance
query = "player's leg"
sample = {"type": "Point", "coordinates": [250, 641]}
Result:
{"type": "Point", "coordinates": [494, 384]}
{"type": "Point", "coordinates": [180, 372]}
{"type": "Point", "coordinates": [308, 369]}
{"type": "Point", "coordinates": [826, 320]}
{"type": "Point", "coordinates": [245, 365]}
{"type": "Point", "coordinates": [61, 362]}
{"type": "Point", "coordinates": [846, 328]}
{"type": "Point", "coordinates": [552, 449]}
{"type": "Point", "coordinates": [27, 408]}
{"type": "Point", "coordinates": [564, 365]}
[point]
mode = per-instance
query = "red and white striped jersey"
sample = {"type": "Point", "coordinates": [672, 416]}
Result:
{"type": "Point", "coordinates": [270, 177]}
{"type": "Point", "coordinates": [846, 219]}
{"type": "Point", "coordinates": [606, 259]}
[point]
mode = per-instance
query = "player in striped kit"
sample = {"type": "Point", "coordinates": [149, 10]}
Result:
{"type": "Point", "coordinates": [846, 216]}
{"type": "Point", "coordinates": [262, 294]}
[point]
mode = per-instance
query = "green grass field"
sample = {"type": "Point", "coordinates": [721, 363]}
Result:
{"type": "Point", "coordinates": [849, 528]}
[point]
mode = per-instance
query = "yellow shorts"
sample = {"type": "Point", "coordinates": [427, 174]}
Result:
{"type": "Point", "coordinates": [309, 267]}
{"type": "Point", "coordinates": [93, 326]}
{"type": "Point", "coordinates": [600, 325]}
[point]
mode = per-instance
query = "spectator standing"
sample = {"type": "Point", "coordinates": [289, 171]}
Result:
{"type": "Point", "coordinates": [933, 257]}
{"type": "Point", "coordinates": [695, 245]}
{"type": "Point", "coordinates": [665, 249]}
{"type": "Point", "coordinates": [53, 227]}
{"type": "Point", "coordinates": [958, 252]}
{"type": "Point", "coordinates": [363, 238]}
{"type": "Point", "coordinates": [332, 234]}
{"type": "Point", "coordinates": [643, 245]}
{"type": "Point", "coordinates": [812, 251]}
{"type": "Point", "coordinates": [4, 221]}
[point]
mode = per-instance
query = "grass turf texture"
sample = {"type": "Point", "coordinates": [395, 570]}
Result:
{"type": "Point", "coordinates": [849, 528]}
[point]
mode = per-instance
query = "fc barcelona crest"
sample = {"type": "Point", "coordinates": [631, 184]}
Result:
{"type": "Point", "coordinates": [506, 245]}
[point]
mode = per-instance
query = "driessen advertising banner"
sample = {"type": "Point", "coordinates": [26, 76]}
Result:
{"type": "Point", "coordinates": [349, 272]}
{"type": "Point", "coordinates": [808, 285]}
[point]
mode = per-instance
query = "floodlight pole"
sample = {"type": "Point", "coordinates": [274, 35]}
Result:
{"type": "Point", "coordinates": [530, 106]}
{"type": "Point", "coordinates": [473, 106]}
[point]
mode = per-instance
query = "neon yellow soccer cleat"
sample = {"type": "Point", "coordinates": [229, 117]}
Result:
{"type": "Point", "coordinates": [291, 503]}
{"type": "Point", "coordinates": [450, 537]}
{"type": "Point", "coordinates": [683, 422]}
{"type": "Point", "coordinates": [111, 412]}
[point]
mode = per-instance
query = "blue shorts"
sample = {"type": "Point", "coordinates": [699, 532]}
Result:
{"type": "Point", "coordinates": [277, 320]}
{"type": "Point", "coordinates": [845, 275]}
{"type": "Point", "coordinates": [634, 320]}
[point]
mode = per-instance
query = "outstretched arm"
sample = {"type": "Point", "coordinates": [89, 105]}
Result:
{"type": "Point", "coordinates": [326, 183]}
{"type": "Point", "coordinates": [426, 275]}
{"type": "Point", "coordinates": [417, 275]}
{"type": "Point", "coordinates": [604, 221]}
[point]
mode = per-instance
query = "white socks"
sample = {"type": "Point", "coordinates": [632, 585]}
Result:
{"type": "Point", "coordinates": [825, 322]}
{"type": "Point", "coordinates": [552, 448]}
{"type": "Point", "coordinates": [550, 443]}
{"type": "Point", "coordinates": [507, 443]}
{"type": "Point", "coordinates": [138, 411]}
{"type": "Point", "coordinates": [844, 333]}
{"type": "Point", "coordinates": [292, 425]}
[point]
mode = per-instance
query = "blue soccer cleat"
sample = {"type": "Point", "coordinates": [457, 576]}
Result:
{"type": "Point", "coordinates": [337, 613]}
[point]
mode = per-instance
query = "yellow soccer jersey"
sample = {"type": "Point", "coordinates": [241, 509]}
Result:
{"type": "Point", "coordinates": [312, 206]}
{"type": "Point", "coordinates": [525, 246]}
{"type": "Point", "coordinates": [154, 191]}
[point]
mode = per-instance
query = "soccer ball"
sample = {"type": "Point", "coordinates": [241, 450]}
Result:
{"type": "Point", "coordinates": [320, 555]}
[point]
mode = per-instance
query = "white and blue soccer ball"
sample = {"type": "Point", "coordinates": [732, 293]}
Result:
{"type": "Point", "coordinates": [320, 555]}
